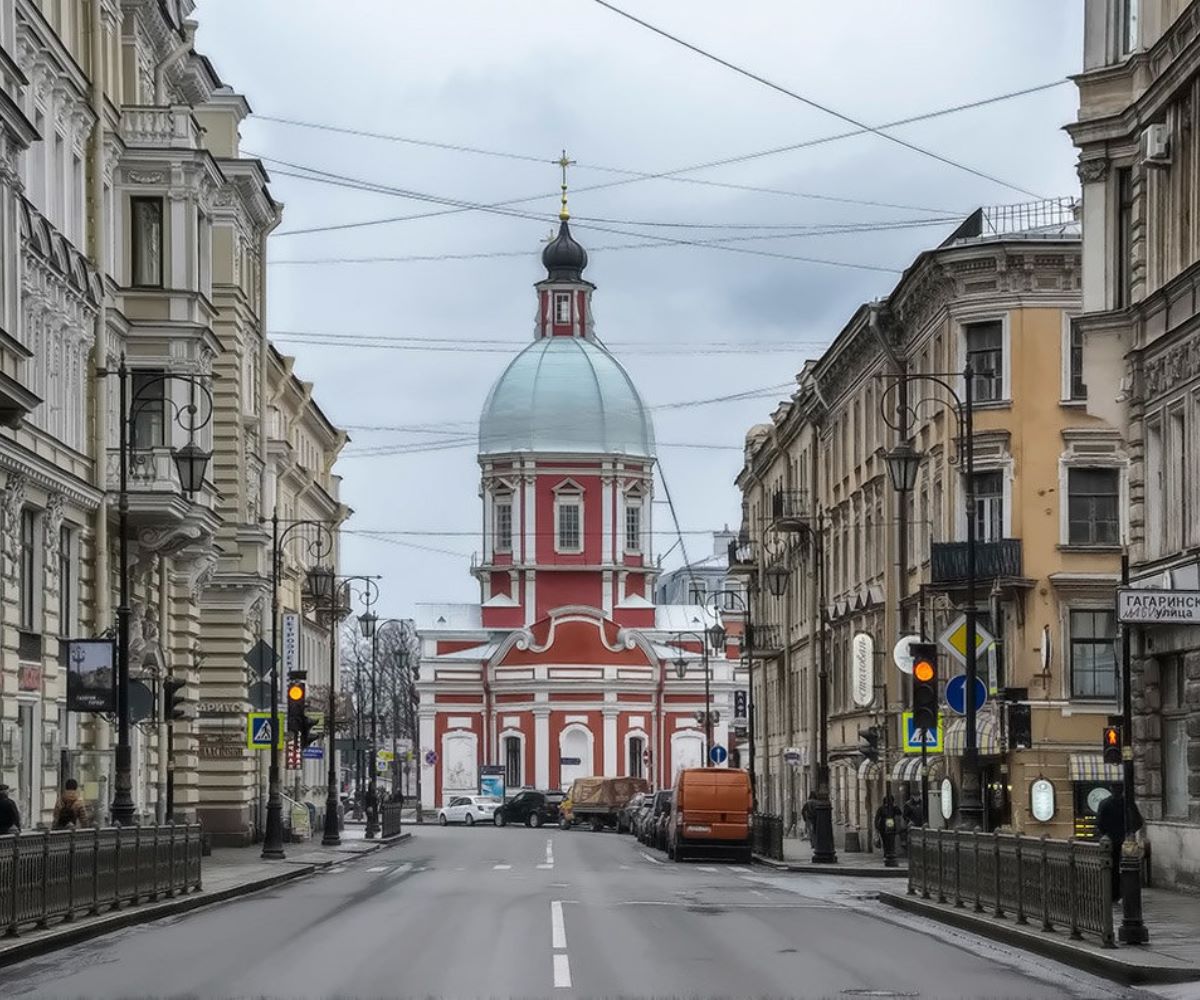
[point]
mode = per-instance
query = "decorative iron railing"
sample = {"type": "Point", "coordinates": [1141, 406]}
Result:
{"type": "Point", "coordinates": [390, 819]}
{"type": "Point", "coordinates": [56, 875]}
{"type": "Point", "coordinates": [993, 560]}
{"type": "Point", "coordinates": [790, 510]}
{"type": "Point", "coordinates": [762, 641]}
{"type": "Point", "coordinates": [1055, 883]}
{"type": "Point", "coordinates": [766, 836]}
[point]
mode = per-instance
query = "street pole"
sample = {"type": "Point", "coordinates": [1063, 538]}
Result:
{"type": "Point", "coordinates": [373, 804]}
{"type": "Point", "coordinates": [970, 810]}
{"type": "Point", "coordinates": [748, 649]}
{"type": "Point", "coordinates": [823, 849]}
{"type": "Point", "coordinates": [273, 836]}
{"type": "Point", "coordinates": [708, 730]}
{"type": "Point", "coordinates": [332, 835]}
{"type": "Point", "coordinates": [122, 804]}
{"type": "Point", "coordinates": [1133, 928]}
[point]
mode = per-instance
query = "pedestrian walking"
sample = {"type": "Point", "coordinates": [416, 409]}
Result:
{"type": "Point", "coordinates": [808, 816]}
{"type": "Point", "coordinates": [10, 815]}
{"type": "Point", "coordinates": [70, 810]}
{"type": "Point", "coordinates": [1110, 823]}
{"type": "Point", "coordinates": [887, 825]}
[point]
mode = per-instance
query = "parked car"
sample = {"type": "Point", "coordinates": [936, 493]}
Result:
{"type": "Point", "coordinates": [653, 823]}
{"type": "Point", "coordinates": [469, 809]}
{"type": "Point", "coordinates": [531, 808]}
{"type": "Point", "coordinates": [643, 812]}
{"type": "Point", "coordinates": [710, 814]}
{"type": "Point", "coordinates": [626, 815]}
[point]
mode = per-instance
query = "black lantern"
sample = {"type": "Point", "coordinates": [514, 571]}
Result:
{"type": "Point", "coordinates": [903, 462]}
{"type": "Point", "coordinates": [777, 580]}
{"type": "Point", "coordinates": [716, 637]}
{"type": "Point", "coordinates": [367, 621]}
{"type": "Point", "coordinates": [680, 668]}
{"type": "Point", "coordinates": [320, 583]}
{"type": "Point", "coordinates": [191, 463]}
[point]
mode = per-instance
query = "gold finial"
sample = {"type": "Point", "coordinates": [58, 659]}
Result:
{"type": "Point", "coordinates": [564, 163]}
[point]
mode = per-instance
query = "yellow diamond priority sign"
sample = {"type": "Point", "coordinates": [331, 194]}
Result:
{"type": "Point", "coordinates": [954, 639]}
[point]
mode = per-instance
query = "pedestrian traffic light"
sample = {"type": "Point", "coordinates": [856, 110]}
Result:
{"type": "Point", "coordinates": [925, 685]}
{"type": "Point", "coordinates": [296, 692]}
{"type": "Point", "coordinates": [868, 742]}
{"type": "Point", "coordinates": [1112, 745]}
{"type": "Point", "coordinates": [174, 699]}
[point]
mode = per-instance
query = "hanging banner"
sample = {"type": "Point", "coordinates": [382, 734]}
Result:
{"type": "Point", "coordinates": [91, 677]}
{"type": "Point", "coordinates": [291, 642]}
{"type": "Point", "coordinates": [862, 665]}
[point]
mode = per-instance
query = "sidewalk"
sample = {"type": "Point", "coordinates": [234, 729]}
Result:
{"type": "Point", "coordinates": [227, 873]}
{"type": "Point", "coordinates": [1172, 956]}
{"type": "Point", "coordinates": [797, 857]}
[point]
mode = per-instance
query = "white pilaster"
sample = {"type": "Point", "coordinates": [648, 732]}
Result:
{"type": "Point", "coordinates": [606, 500]}
{"type": "Point", "coordinates": [428, 772]}
{"type": "Point", "coordinates": [610, 742]}
{"type": "Point", "coordinates": [606, 592]}
{"type": "Point", "coordinates": [541, 747]}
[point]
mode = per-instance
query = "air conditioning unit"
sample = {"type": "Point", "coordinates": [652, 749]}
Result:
{"type": "Point", "coordinates": [1156, 144]}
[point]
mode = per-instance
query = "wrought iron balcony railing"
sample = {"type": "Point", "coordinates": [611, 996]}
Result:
{"type": "Point", "coordinates": [762, 641]}
{"type": "Point", "coordinates": [742, 556]}
{"type": "Point", "coordinates": [790, 510]}
{"type": "Point", "coordinates": [993, 560]}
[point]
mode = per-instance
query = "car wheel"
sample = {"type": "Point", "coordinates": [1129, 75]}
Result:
{"type": "Point", "coordinates": [442, 821]}
{"type": "Point", "coordinates": [498, 819]}
{"type": "Point", "coordinates": [597, 826]}
{"type": "Point", "coordinates": [470, 820]}
{"type": "Point", "coordinates": [564, 824]}
{"type": "Point", "coordinates": [535, 820]}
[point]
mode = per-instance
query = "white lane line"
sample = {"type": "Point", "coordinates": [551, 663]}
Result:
{"type": "Point", "coordinates": [403, 869]}
{"type": "Point", "coordinates": [624, 868]}
{"type": "Point", "coordinates": [562, 972]}
{"type": "Point", "coordinates": [649, 858]}
{"type": "Point", "coordinates": [381, 868]}
{"type": "Point", "coordinates": [739, 868]}
{"type": "Point", "coordinates": [705, 868]}
{"type": "Point", "coordinates": [558, 930]}
{"type": "Point", "coordinates": [550, 852]}
{"type": "Point", "coordinates": [546, 867]}
{"type": "Point", "coordinates": [501, 868]}
{"type": "Point", "coordinates": [688, 904]}
{"type": "Point", "coordinates": [757, 892]}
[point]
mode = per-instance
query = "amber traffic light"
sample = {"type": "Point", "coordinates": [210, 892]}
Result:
{"type": "Point", "coordinates": [925, 685]}
{"type": "Point", "coordinates": [296, 692]}
{"type": "Point", "coordinates": [1112, 745]}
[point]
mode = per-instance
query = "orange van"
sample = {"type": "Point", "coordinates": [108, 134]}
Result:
{"type": "Point", "coordinates": [710, 813]}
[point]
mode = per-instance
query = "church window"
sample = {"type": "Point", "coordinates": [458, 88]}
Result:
{"type": "Point", "coordinates": [504, 522]}
{"type": "Point", "coordinates": [633, 523]}
{"type": "Point", "coordinates": [562, 307]}
{"type": "Point", "coordinates": [569, 523]}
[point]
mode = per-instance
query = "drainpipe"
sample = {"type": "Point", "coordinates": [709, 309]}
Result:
{"type": "Point", "coordinates": [177, 53]}
{"type": "Point", "coordinates": [99, 254]}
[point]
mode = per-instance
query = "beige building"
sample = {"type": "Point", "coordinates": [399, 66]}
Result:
{"type": "Point", "coordinates": [1139, 162]}
{"type": "Point", "coordinates": [132, 228]}
{"type": "Point", "coordinates": [1049, 492]}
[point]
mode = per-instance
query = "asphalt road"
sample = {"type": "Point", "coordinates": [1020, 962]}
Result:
{"type": "Point", "coordinates": [509, 912]}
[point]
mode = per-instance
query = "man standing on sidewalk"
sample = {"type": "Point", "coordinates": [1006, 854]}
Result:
{"type": "Point", "coordinates": [1110, 823]}
{"type": "Point", "coordinates": [10, 816]}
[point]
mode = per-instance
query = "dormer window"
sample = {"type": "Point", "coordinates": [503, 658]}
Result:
{"type": "Point", "coordinates": [568, 518]}
{"type": "Point", "coordinates": [503, 522]}
{"type": "Point", "coordinates": [562, 307]}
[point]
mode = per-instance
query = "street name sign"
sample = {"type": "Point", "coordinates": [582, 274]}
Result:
{"type": "Point", "coordinates": [313, 753]}
{"type": "Point", "coordinates": [914, 738]}
{"type": "Point", "coordinates": [1158, 607]}
{"type": "Point", "coordinates": [570, 761]}
{"type": "Point", "coordinates": [262, 732]}
{"type": "Point", "coordinates": [954, 639]}
{"type": "Point", "coordinates": [956, 690]}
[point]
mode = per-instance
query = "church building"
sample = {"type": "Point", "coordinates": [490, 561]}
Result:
{"type": "Point", "coordinates": [565, 667]}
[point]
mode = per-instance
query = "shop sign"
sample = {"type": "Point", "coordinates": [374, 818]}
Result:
{"type": "Point", "coordinates": [862, 655]}
{"type": "Point", "coordinates": [1041, 800]}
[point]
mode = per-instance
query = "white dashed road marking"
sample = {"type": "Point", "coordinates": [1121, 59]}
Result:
{"type": "Point", "coordinates": [739, 868]}
{"type": "Point", "coordinates": [549, 853]}
{"type": "Point", "coordinates": [558, 941]}
{"type": "Point", "coordinates": [381, 868]}
{"type": "Point", "coordinates": [705, 868]}
{"type": "Point", "coordinates": [546, 867]}
{"type": "Point", "coordinates": [562, 972]}
{"type": "Point", "coordinates": [501, 868]}
{"type": "Point", "coordinates": [651, 859]}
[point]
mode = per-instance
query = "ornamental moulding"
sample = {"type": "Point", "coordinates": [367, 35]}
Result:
{"type": "Point", "coordinates": [1171, 368]}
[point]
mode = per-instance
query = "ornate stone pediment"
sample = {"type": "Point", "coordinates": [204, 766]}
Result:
{"type": "Point", "coordinates": [1174, 366]}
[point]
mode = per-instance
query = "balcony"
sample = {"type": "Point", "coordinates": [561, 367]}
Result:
{"type": "Point", "coordinates": [790, 510]}
{"type": "Point", "coordinates": [994, 561]}
{"type": "Point", "coordinates": [156, 497]}
{"type": "Point", "coordinates": [762, 642]}
{"type": "Point", "coordinates": [743, 560]}
{"type": "Point", "coordinates": [160, 128]}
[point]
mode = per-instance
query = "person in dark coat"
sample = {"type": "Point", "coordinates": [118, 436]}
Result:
{"type": "Point", "coordinates": [887, 824]}
{"type": "Point", "coordinates": [1110, 823]}
{"type": "Point", "coordinates": [10, 815]}
{"type": "Point", "coordinates": [808, 816]}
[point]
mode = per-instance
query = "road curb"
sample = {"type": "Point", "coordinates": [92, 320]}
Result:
{"type": "Point", "coordinates": [853, 871]}
{"type": "Point", "coordinates": [64, 935]}
{"type": "Point", "coordinates": [1110, 963]}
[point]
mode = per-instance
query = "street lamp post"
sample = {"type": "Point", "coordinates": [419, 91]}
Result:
{"type": "Point", "coordinates": [714, 634]}
{"type": "Point", "coordinates": [824, 851]}
{"type": "Point", "coordinates": [902, 466]}
{"type": "Point", "coordinates": [367, 622]}
{"type": "Point", "coordinates": [748, 650]}
{"type": "Point", "coordinates": [191, 463]}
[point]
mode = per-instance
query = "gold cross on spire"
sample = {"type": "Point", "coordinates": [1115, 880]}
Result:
{"type": "Point", "coordinates": [564, 163]}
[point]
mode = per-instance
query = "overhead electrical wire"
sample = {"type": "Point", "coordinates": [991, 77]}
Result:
{"type": "Point", "coordinates": [875, 129]}
{"type": "Point", "coordinates": [674, 175]}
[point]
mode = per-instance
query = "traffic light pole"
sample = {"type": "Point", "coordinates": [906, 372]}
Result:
{"type": "Point", "coordinates": [1133, 927]}
{"type": "Point", "coordinates": [823, 849]}
{"type": "Point", "coordinates": [970, 809]}
{"type": "Point", "coordinates": [273, 836]}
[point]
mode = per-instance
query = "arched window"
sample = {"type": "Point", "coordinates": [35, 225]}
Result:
{"type": "Point", "coordinates": [514, 776]}
{"type": "Point", "coordinates": [635, 766]}
{"type": "Point", "coordinates": [633, 521]}
{"type": "Point", "coordinates": [503, 521]}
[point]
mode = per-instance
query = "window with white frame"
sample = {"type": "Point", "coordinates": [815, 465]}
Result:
{"type": "Point", "coordinates": [633, 522]}
{"type": "Point", "coordinates": [1093, 651]}
{"type": "Point", "coordinates": [989, 506]}
{"type": "Point", "coordinates": [1076, 389]}
{"type": "Point", "coordinates": [66, 581]}
{"type": "Point", "coordinates": [1093, 506]}
{"type": "Point", "coordinates": [30, 593]}
{"type": "Point", "coordinates": [513, 774]}
{"type": "Point", "coordinates": [635, 766]}
{"type": "Point", "coordinates": [1154, 486]}
{"type": "Point", "coordinates": [1129, 25]}
{"type": "Point", "coordinates": [503, 522]}
{"type": "Point", "coordinates": [568, 521]}
{"type": "Point", "coordinates": [697, 592]}
{"type": "Point", "coordinates": [1172, 697]}
{"type": "Point", "coordinates": [148, 408]}
{"type": "Point", "coordinates": [146, 242]}
{"type": "Point", "coordinates": [562, 307]}
{"type": "Point", "coordinates": [985, 355]}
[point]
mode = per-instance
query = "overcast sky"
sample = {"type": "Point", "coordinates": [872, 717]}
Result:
{"type": "Point", "coordinates": [689, 323]}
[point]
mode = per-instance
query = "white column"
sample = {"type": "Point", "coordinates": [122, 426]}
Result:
{"type": "Point", "coordinates": [606, 500]}
{"type": "Point", "coordinates": [606, 592]}
{"type": "Point", "coordinates": [610, 743]}
{"type": "Point", "coordinates": [541, 747]}
{"type": "Point", "coordinates": [428, 773]}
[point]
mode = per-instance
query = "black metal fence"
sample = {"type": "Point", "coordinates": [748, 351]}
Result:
{"type": "Point", "coordinates": [390, 819]}
{"type": "Point", "coordinates": [58, 874]}
{"type": "Point", "coordinates": [1055, 883]}
{"type": "Point", "coordinates": [766, 836]}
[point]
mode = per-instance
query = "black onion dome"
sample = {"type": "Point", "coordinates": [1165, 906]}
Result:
{"type": "Point", "coordinates": [563, 258]}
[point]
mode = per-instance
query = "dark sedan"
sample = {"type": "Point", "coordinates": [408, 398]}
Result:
{"type": "Point", "coordinates": [531, 808]}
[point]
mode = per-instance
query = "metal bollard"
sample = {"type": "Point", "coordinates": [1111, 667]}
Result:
{"type": "Point", "coordinates": [997, 881]}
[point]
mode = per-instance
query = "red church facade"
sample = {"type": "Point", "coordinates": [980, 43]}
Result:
{"type": "Point", "coordinates": [566, 668]}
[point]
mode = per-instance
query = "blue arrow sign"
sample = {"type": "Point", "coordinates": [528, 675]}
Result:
{"type": "Point", "coordinates": [718, 754]}
{"type": "Point", "coordinates": [956, 689]}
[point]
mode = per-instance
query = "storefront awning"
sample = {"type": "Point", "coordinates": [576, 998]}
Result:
{"type": "Point", "coordinates": [1091, 767]}
{"type": "Point", "coordinates": [987, 736]}
{"type": "Point", "coordinates": [909, 768]}
{"type": "Point", "coordinates": [869, 769]}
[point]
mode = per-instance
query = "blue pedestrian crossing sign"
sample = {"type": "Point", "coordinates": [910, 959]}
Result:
{"type": "Point", "coordinates": [264, 729]}
{"type": "Point", "coordinates": [915, 738]}
{"type": "Point", "coordinates": [718, 754]}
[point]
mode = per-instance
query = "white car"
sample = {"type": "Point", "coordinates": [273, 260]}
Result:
{"type": "Point", "coordinates": [469, 809]}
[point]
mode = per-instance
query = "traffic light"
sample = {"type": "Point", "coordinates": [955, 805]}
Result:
{"type": "Point", "coordinates": [174, 699]}
{"type": "Point", "coordinates": [1112, 745]}
{"type": "Point", "coordinates": [296, 691]}
{"type": "Point", "coordinates": [308, 731]}
{"type": "Point", "coordinates": [868, 742]}
{"type": "Point", "coordinates": [925, 685]}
